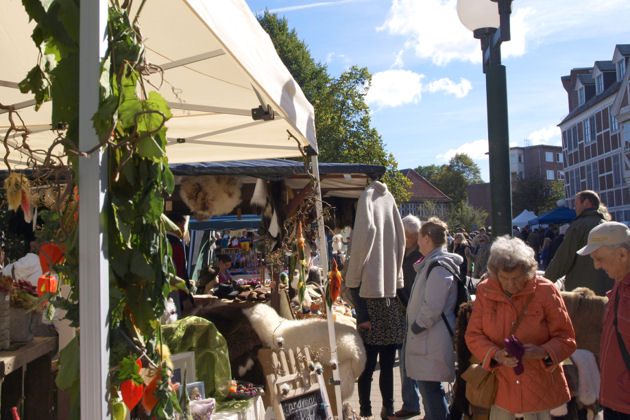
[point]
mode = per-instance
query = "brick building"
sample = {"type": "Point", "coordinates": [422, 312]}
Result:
{"type": "Point", "coordinates": [540, 161]}
{"type": "Point", "coordinates": [592, 142]}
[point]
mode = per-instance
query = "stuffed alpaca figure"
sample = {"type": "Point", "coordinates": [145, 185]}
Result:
{"type": "Point", "coordinates": [209, 195]}
{"type": "Point", "coordinates": [275, 332]}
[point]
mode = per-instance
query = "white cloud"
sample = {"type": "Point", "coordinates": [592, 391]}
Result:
{"type": "Point", "coordinates": [460, 89]}
{"type": "Point", "coordinates": [309, 6]}
{"type": "Point", "coordinates": [398, 61]}
{"type": "Point", "coordinates": [476, 150]}
{"type": "Point", "coordinates": [433, 30]}
{"type": "Point", "coordinates": [548, 135]}
{"type": "Point", "coordinates": [394, 88]}
{"type": "Point", "coordinates": [338, 57]}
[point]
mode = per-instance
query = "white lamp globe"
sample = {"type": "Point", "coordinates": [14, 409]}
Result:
{"type": "Point", "coordinates": [477, 14]}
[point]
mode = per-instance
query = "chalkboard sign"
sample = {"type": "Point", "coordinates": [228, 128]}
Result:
{"type": "Point", "coordinates": [305, 407]}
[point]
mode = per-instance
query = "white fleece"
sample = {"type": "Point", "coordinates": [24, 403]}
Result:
{"type": "Point", "coordinates": [271, 328]}
{"type": "Point", "coordinates": [588, 376]}
{"type": "Point", "coordinates": [378, 245]}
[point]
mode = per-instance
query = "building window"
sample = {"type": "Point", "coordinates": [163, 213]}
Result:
{"type": "Point", "coordinates": [589, 130]}
{"type": "Point", "coordinates": [549, 156]}
{"type": "Point", "coordinates": [621, 68]}
{"type": "Point", "coordinates": [550, 175]}
{"type": "Point", "coordinates": [589, 178]}
{"type": "Point", "coordinates": [575, 181]}
{"type": "Point", "coordinates": [575, 137]}
{"type": "Point", "coordinates": [614, 124]}
{"type": "Point", "coordinates": [595, 176]}
{"type": "Point", "coordinates": [616, 167]}
{"type": "Point", "coordinates": [599, 84]}
{"type": "Point", "coordinates": [626, 135]}
{"type": "Point", "coordinates": [581, 96]}
{"type": "Point", "coordinates": [559, 157]}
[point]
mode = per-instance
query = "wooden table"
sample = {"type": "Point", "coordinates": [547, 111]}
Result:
{"type": "Point", "coordinates": [25, 373]}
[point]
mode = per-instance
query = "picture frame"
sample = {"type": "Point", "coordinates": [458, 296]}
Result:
{"type": "Point", "coordinates": [183, 362]}
{"type": "Point", "coordinates": [193, 387]}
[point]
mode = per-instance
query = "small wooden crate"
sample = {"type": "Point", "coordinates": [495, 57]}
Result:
{"type": "Point", "coordinates": [295, 384]}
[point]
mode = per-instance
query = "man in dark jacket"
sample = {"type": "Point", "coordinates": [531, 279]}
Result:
{"type": "Point", "coordinates": [578, 269]}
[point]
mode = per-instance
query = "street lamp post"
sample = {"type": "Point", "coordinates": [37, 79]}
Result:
{"type": "Point", "coordinates": [492, 28]}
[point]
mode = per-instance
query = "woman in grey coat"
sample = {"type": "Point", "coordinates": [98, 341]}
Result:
{"type": "Point", "coordinates": [429, 356]}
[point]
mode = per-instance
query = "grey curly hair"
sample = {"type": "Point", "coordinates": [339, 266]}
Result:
{"type": "Point", "coordinates": [508, 254]}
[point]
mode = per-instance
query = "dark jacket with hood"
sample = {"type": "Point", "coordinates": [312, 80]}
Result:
{"type": "Point", "coordinates": [579, 270]}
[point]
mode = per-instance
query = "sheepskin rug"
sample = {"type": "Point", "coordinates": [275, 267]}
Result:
{"type": "Point", "coordinates": [211, 195]}
{"type": "Point", "coordinates": [273, 329]}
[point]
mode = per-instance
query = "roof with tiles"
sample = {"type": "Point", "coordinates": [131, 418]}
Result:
{"type": "Point", "coordinates": [623, 48]}
{"type": "Point", "coordinates": [421, 189]}
{"type": "Point", "coordinates": [605, 65]}
{"type": "Point", "coordinates": [611, 90]}
{"type": "Point", "coordinates": [586, 79]}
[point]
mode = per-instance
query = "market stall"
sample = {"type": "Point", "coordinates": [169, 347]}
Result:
{"type": "Point", "coordinates": [230, 95]}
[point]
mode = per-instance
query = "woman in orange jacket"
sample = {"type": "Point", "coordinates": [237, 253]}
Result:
{"type": "Point", "coordinates": [530, 380]}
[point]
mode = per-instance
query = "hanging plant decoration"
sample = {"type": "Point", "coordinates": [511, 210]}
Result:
{"type": "Point", "coordinates": [130, 123]}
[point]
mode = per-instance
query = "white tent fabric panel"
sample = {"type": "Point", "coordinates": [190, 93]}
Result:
{"type": "Point", "coordinates": [217, 65]}
{"type": "Point", "coordinates": [523, 219]}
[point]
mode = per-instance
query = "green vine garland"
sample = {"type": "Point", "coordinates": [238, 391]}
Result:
{"type": "Point", "coordinates": [130, 124]}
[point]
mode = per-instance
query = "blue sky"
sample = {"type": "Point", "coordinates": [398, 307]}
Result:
{"type": "Point", "coordinates": [428, 90]}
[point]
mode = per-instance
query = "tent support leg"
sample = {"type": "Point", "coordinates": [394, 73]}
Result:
{"type": "Point", "coordinates": [323, 255]}
{"type": "Point", "coordinates": [93, 266]}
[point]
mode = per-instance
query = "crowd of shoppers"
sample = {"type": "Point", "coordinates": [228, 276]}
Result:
{"type": "Point", "coordinates": [519, 328]}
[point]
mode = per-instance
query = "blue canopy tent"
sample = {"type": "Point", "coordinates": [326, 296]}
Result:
{"type": "Point", "coordinates": [557, 215]}
{"type": "Point", "coordinates": [249, 222]}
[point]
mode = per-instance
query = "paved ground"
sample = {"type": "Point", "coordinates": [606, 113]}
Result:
{"type": "Point", "coordinates": [376, 394]}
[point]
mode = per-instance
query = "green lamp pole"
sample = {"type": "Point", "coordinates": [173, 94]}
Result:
{"type": "Point", "coordinates": [492, 28]}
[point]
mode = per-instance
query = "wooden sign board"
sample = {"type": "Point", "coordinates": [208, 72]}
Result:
{"type": "Point", "coordinates": [295, 386]}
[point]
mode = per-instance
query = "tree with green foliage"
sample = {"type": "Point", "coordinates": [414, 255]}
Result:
{"type": "Point", "coordinates": [342, 117]}
{"type": "Point", "coordinates": [536, 194]}
{"type": "Point", "coordinates": [428, 171]}
{"type": "Point", "coordinates": [467, 217]}
{"type": "Point", "coordinates": [453, 178]}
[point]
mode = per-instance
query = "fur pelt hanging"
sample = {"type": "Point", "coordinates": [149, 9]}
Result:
{"type": "Point", "coordinates": [210, 195]}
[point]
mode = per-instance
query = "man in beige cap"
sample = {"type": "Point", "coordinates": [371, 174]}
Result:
{"type": "Point", "coordinates": [609, 246]}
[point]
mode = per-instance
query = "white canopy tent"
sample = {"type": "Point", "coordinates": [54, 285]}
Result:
{"type": "Point", "coordinates": [218, 64]}
{"type": "Point", "coordinates": [523, 219]}
{"type": "Point", "coordinates": [231, 97]}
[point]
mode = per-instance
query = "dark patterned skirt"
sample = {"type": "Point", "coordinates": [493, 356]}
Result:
{"type": "Point", "coordinates": [387, 317]}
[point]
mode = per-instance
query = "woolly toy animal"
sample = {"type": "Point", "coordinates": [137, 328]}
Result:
{"type": "Point", "coordinates": [275, 331]}
{"type": "Point", "coordinates": [587, 315]}
{"type": "Point", "coordinates": [209, 195]}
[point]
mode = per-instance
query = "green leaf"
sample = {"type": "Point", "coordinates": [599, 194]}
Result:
{"type": "Point", "coordinates": [149, 149]}
{"type": "Point", "coordinates": [127, 111]}
{"type": "Point", "coordinates": [169, 225]}
{"type": "Point", "coordinates": [128, 370]}
{"type": "Point", "coordinates": [69, 358]}
{"type": "Point", "coordinates": [156, 102]}
{"type": "Point", "coordinates": [169, 178]}
{"type": "Point", "coordinates": [65, 89]}
{"type": "Point", "coordinates": [141, 267]}
{"type": "Point", "coordinates": [37, 83]}
{"type": "Point", "coordinates": [36, 9]}
{"type": "Point", "coordinates": [69, 16]}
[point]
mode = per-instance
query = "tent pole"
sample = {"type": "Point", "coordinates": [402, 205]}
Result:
{"type": "Point", "coordinates": [93, 264]}
{"type": "Point", "coordinates": [323, 256]}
